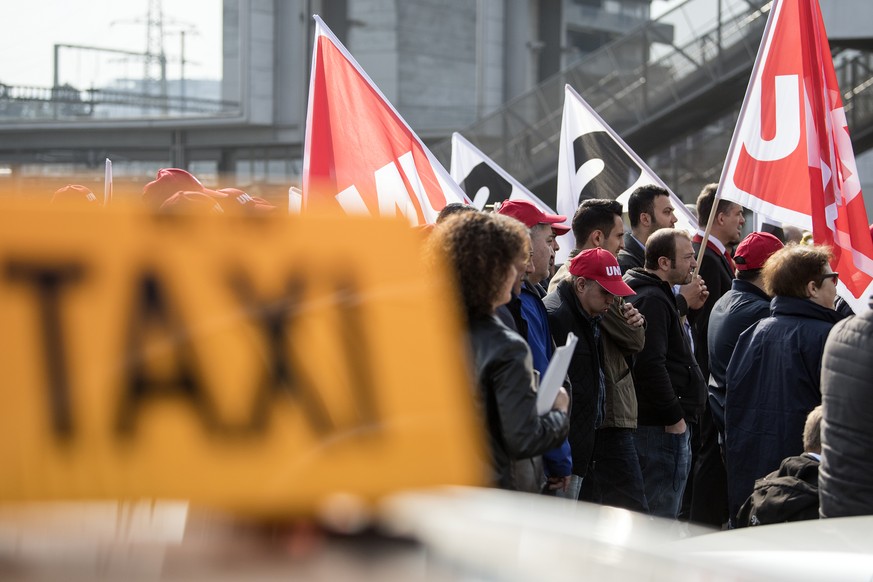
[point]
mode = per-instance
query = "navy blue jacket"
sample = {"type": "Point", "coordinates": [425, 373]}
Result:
{"type": "Point", "coordinates": [773, 382]}
{"type": "Point", "coordinates": [732, 314]}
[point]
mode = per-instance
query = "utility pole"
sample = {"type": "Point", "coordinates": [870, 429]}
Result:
{"type": "Point", "coordinates": [155, 73]}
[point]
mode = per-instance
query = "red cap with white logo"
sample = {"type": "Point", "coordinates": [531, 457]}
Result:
{"type": "Point", "coordinates": [600, 265]}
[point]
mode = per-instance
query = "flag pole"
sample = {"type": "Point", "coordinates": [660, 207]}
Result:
{"type": "Point", "coordinates": [107, 182]}
{"type": "Point", "coordinates": [733, 144]}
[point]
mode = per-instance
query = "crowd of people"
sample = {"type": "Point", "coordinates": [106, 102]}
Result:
{"type": "Point", "coordinates": [172, 191]}
{"type": "Point", "coordinates": [730, 395]}
{"type": "Point", "coordinates": [708, 394]}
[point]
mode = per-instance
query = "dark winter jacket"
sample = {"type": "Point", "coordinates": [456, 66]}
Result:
{"type": "Point", "coordinates": [565, 315]}
{"type": "Point", "coordinates": [739, 308]}
{"type": "Point", "coordinates": [846, 480]}
{"type": "Point", "coordinates": [787, 494]}
{"type": "Point", "coordinates": [502, 365]}
{"type": "Point", "coordinates": [717, 275]}
{"type": "Point", "coordinates": [668, 381]}
{"type": "Point", "coordinates": [632, 256]}
{"type": "Point", "coordinates": [620, 343]}
{"type": "Point", "coordinates": [773, 382]}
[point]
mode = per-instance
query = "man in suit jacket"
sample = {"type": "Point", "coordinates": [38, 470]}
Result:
{"type": "Point", "coordinates": [649, 209]}
{"type": "Point", "coordinates": [708, 483]}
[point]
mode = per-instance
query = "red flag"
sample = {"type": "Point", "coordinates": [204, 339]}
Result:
{"type": "Point", "coordinates": [791, 157]}
{"type": "Point", "coordinates": [360, 156]}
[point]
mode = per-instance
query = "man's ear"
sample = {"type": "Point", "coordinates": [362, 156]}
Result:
{"type": "Point", "coordinates": [596, 238]}
{"type": "Point", "coordinates": [580, 284]}
{"type": "Point", "coordinates": [812, 289]}
{"type": "Point", "coordinates": [664, 263]}
{"type": "Point", "coordinates": [645, 219]}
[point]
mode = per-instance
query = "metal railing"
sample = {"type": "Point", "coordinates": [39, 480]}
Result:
{"type": "Point", "coordinates": [644, 75]}
{"type": "Point", "coordinates": [696, 159]}
{"type": "Point", "coordinates": [66, 102]}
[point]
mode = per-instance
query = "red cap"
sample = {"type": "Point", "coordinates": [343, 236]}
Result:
{"type": "Point", "coordinates": [601, 266]}
{"type": "Point", "coordinates": [74, 193]}
{"type": "Point", "coordinates": [528, 213]}
{"type": "Point", "coordinates": [172, 180]}
{"type": "Point", "coordinates": [191, 202]}
{"type": "Point", "coordinates": [755, 249]}
{"type": "Point", "coordinates": [237, 200]}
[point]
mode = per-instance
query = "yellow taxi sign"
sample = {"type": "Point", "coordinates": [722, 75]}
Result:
{"type": "Point", "coordinates": [253, 364]}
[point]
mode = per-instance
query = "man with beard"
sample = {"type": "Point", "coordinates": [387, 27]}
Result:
{"type": "Point", "coordinates": [707, 495]}
{"type": "Point", "coordinates": [670, 389]}
{"type": "Point", "coordinates": [649, 209]}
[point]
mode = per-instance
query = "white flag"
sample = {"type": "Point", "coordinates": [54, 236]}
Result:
{"type": "Point", "coordinates": [483, 180]}
{"type": "Point", "coordinates": [594, 162]}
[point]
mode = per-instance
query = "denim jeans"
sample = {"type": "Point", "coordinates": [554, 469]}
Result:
{"type": "Point", "coordinates": [665, 460]}
{"type": "Point", "coordinates": [614, 476]}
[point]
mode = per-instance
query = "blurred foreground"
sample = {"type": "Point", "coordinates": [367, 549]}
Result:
{"type": "Point", "coordinates": [450, 534]}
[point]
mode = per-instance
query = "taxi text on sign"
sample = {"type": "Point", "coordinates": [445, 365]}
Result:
{"type": "Point", "coordinates": [253, 365]}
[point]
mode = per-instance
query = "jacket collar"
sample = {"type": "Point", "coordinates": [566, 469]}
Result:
{"type": "Point", "coordinates": [746, 287]}
{"type": "Point", "coordinates": [803, 308]}
{"type": "Point", "coordinates": [568, 296]}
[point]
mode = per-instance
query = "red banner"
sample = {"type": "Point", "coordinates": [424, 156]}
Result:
{"type": "Point", "coordinates": [360, 156]}
{"type": "Point", "coordinates": [791, 157]}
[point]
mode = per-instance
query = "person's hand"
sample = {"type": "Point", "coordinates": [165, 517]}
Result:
{"type": "Point", "coordinates": [562, 401]}
{"type": "Point", "coordinates": [558, 483]}
{"type": "Point", "coordinates": [632, 315]}
{"type": "Point", "coordinates": [695, 293]}
{"type": "Point", "coordinates": [678, 428]}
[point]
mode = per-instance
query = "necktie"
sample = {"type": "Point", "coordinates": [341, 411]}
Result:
{"type": "Point", "coordinates": [730, 261]}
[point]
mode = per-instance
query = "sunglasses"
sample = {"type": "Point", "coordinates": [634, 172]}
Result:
{"type": "Point", "coordinates": [834, 276]}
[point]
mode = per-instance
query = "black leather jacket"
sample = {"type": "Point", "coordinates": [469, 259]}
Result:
{"type": "Point", "coordinates": [504, 373]}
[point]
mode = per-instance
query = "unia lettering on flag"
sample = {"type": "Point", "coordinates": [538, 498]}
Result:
{"type": "Point", "coordinates": [360, 156]}
{"type": "Point", "coordinates": [483, 180]}
{"type": "Point", "coordinates": [791, 157]}
{"type": "Point", "coordinates": [594, 162]}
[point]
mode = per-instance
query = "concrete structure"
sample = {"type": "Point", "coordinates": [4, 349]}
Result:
{"type": "Point", "coordinates": [442, 64]}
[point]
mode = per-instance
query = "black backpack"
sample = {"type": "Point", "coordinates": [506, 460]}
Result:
{"type": "Point", "coordinates": [788, 494]}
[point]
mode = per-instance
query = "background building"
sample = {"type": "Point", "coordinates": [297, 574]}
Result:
{"type": "Point", "coordinates": [668, 75]}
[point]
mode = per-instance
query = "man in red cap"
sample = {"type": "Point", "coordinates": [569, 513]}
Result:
{"type": "Point", "coordinates": [671, 391]}
{"type": "Point", "coordinates": [580, 304]}
{"type": "Point", "coordinates": [613, 475]}
{"type": "Point", "coordinates": [544, 228]}
{"type": "Point", "coordinates": [734, 312]}
{"type": "Point", "coordinates": [534, 324]}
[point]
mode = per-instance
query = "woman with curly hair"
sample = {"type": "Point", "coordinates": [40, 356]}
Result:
{"type": "Point", "coordinates": [485, 252]}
